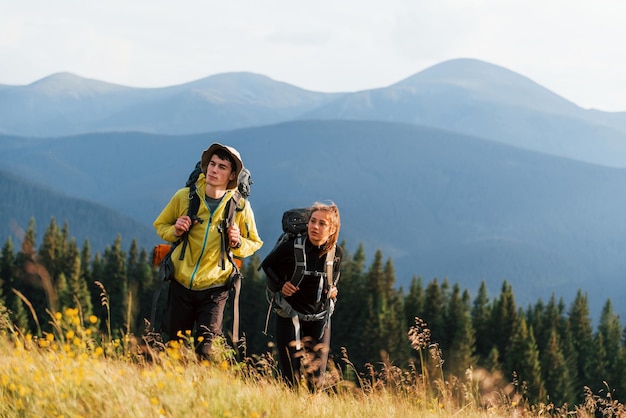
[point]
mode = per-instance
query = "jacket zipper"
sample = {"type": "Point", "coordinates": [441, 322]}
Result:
{"type": "Point", "coordinates": [206, 236]}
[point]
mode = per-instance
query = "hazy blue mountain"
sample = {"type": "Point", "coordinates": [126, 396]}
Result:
{"type": "Point", "coordinates": [64, 104]}
{"type": "Point", "coordinates": [476, 98]}
{"type": "Point", "coordinates": [466, 96]}
{"type": "Point", "coordinates": [440, 204]}
{"type": "Point", "coordinates": [60, 104]}
{"type": "Point", "coordinates": [23, 200]}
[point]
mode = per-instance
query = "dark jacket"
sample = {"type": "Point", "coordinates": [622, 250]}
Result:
{"type": "Point", "coordinates": [280, 264]}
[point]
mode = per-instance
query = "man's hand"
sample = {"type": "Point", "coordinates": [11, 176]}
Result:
{"type": "Point", "coordinates": [234, 235]}
{"type": "Point", "coordinates": [182, 225]}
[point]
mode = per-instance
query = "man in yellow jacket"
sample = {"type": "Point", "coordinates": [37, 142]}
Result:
{"type": "Point", "coordinates": [198, 292]}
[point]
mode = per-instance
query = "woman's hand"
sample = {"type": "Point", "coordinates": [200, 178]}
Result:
{"type": "Point", "coordinates": [332, 293]}
{"type": "Point", "coordinates": [289, 289]}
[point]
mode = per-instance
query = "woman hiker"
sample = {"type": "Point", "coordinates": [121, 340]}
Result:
{"type": "Point", "coordinates": [304, 304]}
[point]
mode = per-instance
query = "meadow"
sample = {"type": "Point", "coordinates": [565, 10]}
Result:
{"type": "Point", "coordinates": [76, 371]}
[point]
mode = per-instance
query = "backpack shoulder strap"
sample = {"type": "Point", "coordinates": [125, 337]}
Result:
{"type": "Point", "coordinates": [192, 212]}
{"type": "Point", "coordinates": [330, 262]}
{"type": "Point", "coordinates": [225, 253]}
{"type": "Point", "coordinates": [300, 259]}
{"type": "Point", "coordinates": [194, 202]}
{"type": "Point", "coordinates": [229, 219]}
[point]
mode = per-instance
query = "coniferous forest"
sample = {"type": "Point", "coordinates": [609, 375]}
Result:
{"type": "Point", "coordinates": [550, 349]}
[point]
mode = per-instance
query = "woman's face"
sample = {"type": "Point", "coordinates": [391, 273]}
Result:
{"type": "Point", "coordinates": [320, 227]}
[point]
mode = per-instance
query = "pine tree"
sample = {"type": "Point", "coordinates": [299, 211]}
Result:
{"type": "Point", "coordinates": [8, 278]}
{"type": "Point", "coordinates": [534, 318]}
{"type": "Point", "coordinates": [115, 282]}
{"type": "Point", "coordinates": [582, 339]}
{"type": "Point", "coordinates": [523, 360]}
{"type": "Point", "coordinates": [351, 312]}
{"type": "Point", "coordinates": [77, 287]}
{"type": "Point", "coordinates": [414, 301]}
{"type": "Point", "coordinates": [136, 280]}
{"type": "Point", "coordinates": [63, 292]}
{"type": "Point", "coordinates": [481, 321]}
{"type": "Point", "coordinates": [53, 256]}
{"type": "Point", "coordinates": [570, 356]}
{"type": "Point", "coordinates": [144, 275]}
{"type": "Point", "coordinates": [97, 276]}
{"type": "Point", "coordinates": [382, 320]}
{"type": "Point", "coordinates": [556, 372]}
{"type": "Point", "coordinates": [460, 333]}
{"type": "Point", "coordinates": [620, 387]}
{"type": "Point", "coordinates": [86, 280]}
{"type": "Point", "coordinates": [51, 249]}
{"type": "Point", "coordinates": [35, 283]}
{"type": "Point", "coordinates": [599, 364]}
{"type": "Point", "coordinates": [610, 328]}
{"type": "Point", "coordinates": [550, 322]}
{"type": "Point", "coordinates": [503, 319]}
{"type": "Point", "coordinates": [7, 271]}
{"type": "Point", "coordinates": [395, 326]}
{"type": "Point", "coordinates": [551, 326]}
{"type": "Point", "coordinates": [85, 262]}
{"type": "Point", "coordinates": [253, 308]}
{"type": "Point", "coordinates": [29, 244]}
{"type": "Point", "coordinates": [434, 313]}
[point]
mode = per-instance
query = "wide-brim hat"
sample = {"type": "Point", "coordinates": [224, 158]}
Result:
{"type": "Point", "coordinates": [206, 156]}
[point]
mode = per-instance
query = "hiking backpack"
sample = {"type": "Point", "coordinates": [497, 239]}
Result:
{"type": "Point", "coordinates": [294, 226]}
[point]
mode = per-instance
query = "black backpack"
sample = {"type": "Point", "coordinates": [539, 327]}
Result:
{"type": "Point", "coordinates": [294, 224]}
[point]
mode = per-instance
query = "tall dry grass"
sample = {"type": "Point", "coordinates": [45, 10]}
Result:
{"type": "Point", "coordinates": [76, 371]}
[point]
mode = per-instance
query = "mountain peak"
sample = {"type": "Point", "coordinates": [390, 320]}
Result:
{"type": "Point", "coordinates": [252, 88]}
{"type": "Point", "coordinates": [465, 71]}
{"type": "Point", "coordinates": [64, 83]}
{"type": "Point", "coordinates": [490, 82]}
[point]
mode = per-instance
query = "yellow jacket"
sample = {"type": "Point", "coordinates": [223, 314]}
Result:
{"type": "Point", "coordinates": [200, 267]}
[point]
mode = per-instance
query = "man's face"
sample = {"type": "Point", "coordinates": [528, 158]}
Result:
{"type": "Point", "coordinates": [219, 172]}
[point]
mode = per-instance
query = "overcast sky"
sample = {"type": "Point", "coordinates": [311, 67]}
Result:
{"type": "Point", "coordinates": [574, 48]}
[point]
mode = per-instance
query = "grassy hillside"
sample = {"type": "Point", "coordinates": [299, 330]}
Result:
{"type": "Point", "coordinates": [77, 372]}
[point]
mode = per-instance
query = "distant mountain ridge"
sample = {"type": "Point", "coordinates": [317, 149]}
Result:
{"type": "Point", "coordinates": [439, 204]}
{"type": "Point", "coordinates": [466, 96]}
{"type": "Point", "coordinates": [65, 104]}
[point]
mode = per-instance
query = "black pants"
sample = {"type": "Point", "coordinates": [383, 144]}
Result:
{"type": "Point", "coordinates": [200, 312]}
{"type": "Point", "coordinates": [304, 353]}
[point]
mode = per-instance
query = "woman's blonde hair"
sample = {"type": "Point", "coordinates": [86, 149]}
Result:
{"type": "Point", "coordinates": [333, 211]}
